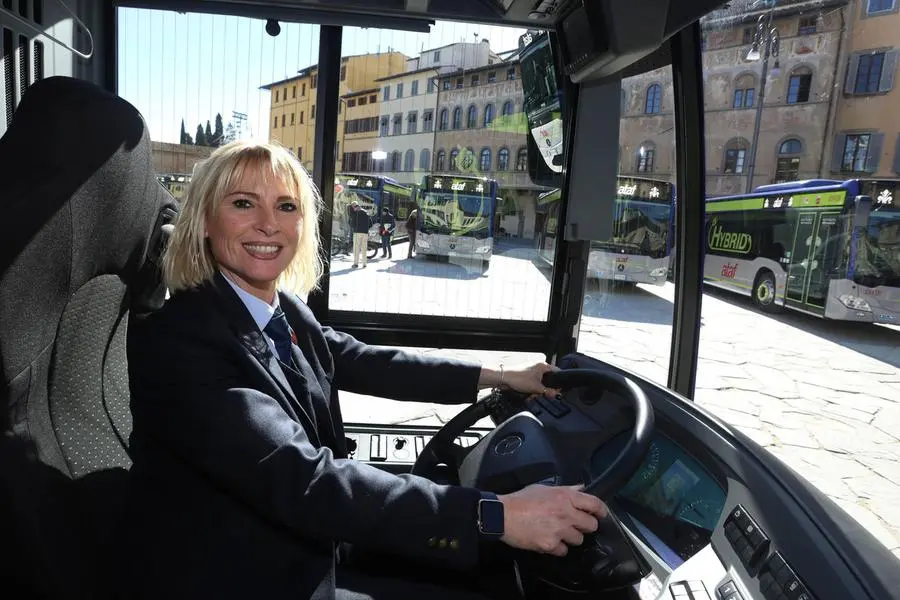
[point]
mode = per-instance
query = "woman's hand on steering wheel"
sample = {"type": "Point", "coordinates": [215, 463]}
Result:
{"type": "Point", "coordinates": [525, 380]}
{"type": "Point", "coordinates": [549, 519]}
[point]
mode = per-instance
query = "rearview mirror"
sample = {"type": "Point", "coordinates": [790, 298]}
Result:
{"type": "Point", "coordinates": [543, 109]}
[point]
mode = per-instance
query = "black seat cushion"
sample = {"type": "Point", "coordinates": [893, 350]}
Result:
{"type": "Point", "coordinates": [79, 247]}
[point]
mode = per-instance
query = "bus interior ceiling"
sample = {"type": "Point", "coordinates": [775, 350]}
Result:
{"type": "Point", "coordinates": [732, 496]}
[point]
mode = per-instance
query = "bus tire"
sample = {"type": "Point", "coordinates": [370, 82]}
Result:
{"type": "Point", "coordinates": [763, 292]}
{"type": "Point", "coordinates": [373, 252]}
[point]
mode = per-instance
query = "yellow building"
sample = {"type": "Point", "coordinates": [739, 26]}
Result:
{"type": "Point", "coordinates": [292, 112]}
{"type": "Point", "coordinates": [358, 135]}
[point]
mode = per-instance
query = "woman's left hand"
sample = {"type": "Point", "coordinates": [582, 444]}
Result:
{"type": "Point", "coordinates": [527, 380]}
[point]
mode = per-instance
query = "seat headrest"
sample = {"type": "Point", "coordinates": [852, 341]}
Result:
{"type": "Point", "coordinates": [80, 199]}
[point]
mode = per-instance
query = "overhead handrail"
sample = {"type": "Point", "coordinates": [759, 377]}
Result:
{"type": "Point", "coordinates": [38, 31]}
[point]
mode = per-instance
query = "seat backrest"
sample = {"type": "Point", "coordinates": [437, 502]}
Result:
{"type": "Point", "coordinates": [80, 239]}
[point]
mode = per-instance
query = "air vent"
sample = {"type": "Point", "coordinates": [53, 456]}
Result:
{"type": "Point", "coordinates": [9, 74]}
{"type": "Point", "coordinates": [38, 61]}
{"type": "Point", "coordinates": [24, 71]}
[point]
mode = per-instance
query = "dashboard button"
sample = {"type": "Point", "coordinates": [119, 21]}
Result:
{"type": "Point", "coordinates": [728, 588]}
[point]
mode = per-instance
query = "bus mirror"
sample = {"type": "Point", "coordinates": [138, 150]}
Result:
{"type": "Point", "coordinates": [543, 109]}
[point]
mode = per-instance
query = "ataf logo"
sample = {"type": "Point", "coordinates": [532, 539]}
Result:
{"type": "Point", "coordinates": [729, 270]}
{"type": "Point", "coordinates": [728, 241]}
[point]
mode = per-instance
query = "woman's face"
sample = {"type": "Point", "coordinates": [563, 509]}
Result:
{"type": "Point", "coordinates": [255, 231]}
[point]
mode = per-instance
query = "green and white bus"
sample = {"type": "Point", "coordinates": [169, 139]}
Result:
{"type": "Point", "coordinates": [823, 247]}
{"type": "Point", "coordinates": [642, 237]}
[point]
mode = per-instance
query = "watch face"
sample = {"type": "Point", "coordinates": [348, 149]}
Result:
{"type": "Point", "coordinates": [491, 517]}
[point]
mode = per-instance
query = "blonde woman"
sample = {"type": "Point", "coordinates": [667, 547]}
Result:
{"type": "Point", "coordinates": [241, 486]}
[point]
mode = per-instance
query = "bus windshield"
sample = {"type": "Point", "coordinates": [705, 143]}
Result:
{"type": "Point", "coordinates": [878, 261]}
{"type": "Point", "coordinates": [639, 228]}
{"type": "Point", "coordinates": [456, 214]}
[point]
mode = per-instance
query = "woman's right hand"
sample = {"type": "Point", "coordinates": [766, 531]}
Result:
{"type": "Point", "coordinates": [549, 519]}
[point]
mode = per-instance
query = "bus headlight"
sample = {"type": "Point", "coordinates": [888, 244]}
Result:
{"type": "Point", "coordinates": [660, 272]}
{"type": "Point", "coordinates": [855, 302]}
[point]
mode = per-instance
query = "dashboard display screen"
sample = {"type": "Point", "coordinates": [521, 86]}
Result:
{"type": "Point", "coordinates": [674, 502]}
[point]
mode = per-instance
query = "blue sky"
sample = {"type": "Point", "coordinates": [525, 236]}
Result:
{"type": "Point", "coordinates": [192, 66]}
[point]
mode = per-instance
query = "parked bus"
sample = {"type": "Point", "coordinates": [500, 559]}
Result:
{"type": "Point", "coordinates": [373, 193]}
{"type": "Point", "coordinates": [642, 237]}
{"type": "Point", "coordinates": [456, 216]}
{"type": "Point", "coordinates": [824, 247]}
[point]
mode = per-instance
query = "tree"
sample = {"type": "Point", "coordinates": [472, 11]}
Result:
{"type": "Point", "coordinates": [200, 138]}
{"type": "Point", "coordinates": [209, 135]}
{"type": "Point", "coordinates": [185, 138]}
{"type": "Point", "coordinates": [219, 133]}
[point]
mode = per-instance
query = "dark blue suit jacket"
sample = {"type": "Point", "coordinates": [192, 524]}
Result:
{"type": "Point", "coordinates": [240, 487]}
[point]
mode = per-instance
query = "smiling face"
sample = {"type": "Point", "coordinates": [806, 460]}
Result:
{"type": "Point", "coordinates": [254, 230]}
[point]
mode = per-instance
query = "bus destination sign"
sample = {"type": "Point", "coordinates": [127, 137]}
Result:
{"type": "Point", "coordinates": [452, 184]}
{"type": "Point", "coordinates": [357, 182]}
{"type": "Point", "coordinates": [643, 189]}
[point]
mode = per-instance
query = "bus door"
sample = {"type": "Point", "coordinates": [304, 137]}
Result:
{"type": "Point", "coordinates": [815, 254]}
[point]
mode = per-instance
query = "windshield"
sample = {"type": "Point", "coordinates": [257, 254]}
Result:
{"type": "Point", "coordinates": [456, 214]}
{"type": "Point", "coordinates": [878, 260]}
{"type": "Point", "coordinates": [368, 201]}
{"type": "Point", "coordinates": [639, 228]}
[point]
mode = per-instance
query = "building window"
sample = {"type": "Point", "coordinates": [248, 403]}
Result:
{"type": "Point", "coordinates": [343, 73]}
{"type": "Point", "coordinates": [282, 119]}
{"type": "Point", "coordinates": [475, 80]}
{"type": "Point", "coordinates": [299, 153]}
{"type": "Point", "coordinates": [807, 26]}
{"type": "Point", "coordinates": [748, 35]}
{"type": "Point", "coordinates": [444, 122]}
{"type": "Point", "coordinates": [373, 99]}
{"type": "Point", "coordinates": [646, 157]}
{"type": "Point", "coordinates": [743, 98]}
{"type": "Point", "coordinates": [446, 85]}
{"type": "Point", "coordinates": [484, 163]}
{"type": "Point", "coordinates": [488, 115]}
{"type": "Point", "coordinates": [351, 102]}
{"type": "Point", "coordinates": [395, 160]}
{"type": "Point", "coordinates": [385, 124]}
{"type": "Point", "coordinates": [454, 154]}
{"type": "Point", "coordinates": [868, 73]}
{"type": "Point", "coordinates": [879, 6]}
{"type": "Point", "coordinates": [414, 88]}
{"type": "Point", "coordinates": [386, 93]}
{"type": "Point", "coordinates": [412, 122]}
{"type": "Point", "coordinates": [302, 90]}
{"type": "Point", "coordinates": [654, 99]}
{"type": "Point", "coordinates": [503, 159]}
{"type": "Point", "coordinates": [787, 167]}
{"type": "Point", "coordinates": [492, 76]}
{"type": "Point", "coordinates": [856, 152]}
{"type": "Point", "coordinates": [457, 118]}
{"type": "Point", "coordinates": [798, 86]}
{"type": "Point", "coordinates": [510, 73]}
{"type": "Point", "coordinates": [735, 157]}
{"type": "Point", "coordinates": [409, 161]}
{"type": "Point", "coordinates": [276, 96]}
{"type": "Point", "coordinates": [275, 125]}
{"type": "Point", "coordinates": [432, 85]}
{"type": "Point", "coordinates": [399, 90]}
{"type": "Point", "coordinates": [363, 100]}
{"type": "Point", "coordinates": [428, 121]}
{"type": "Point", "coordinates": [312, 114]}
{"type": "Point", "coordinates": [425, 159]}
{"type": "Point", "coordinates": [437, 56]}
{"type": "Point", "coordinates": [439, 160]}
{"type": "Point", "coordinates": [398, 125]}
{"type": "Point", "coordinates": [522, 159]}
{"type": "Point", "coordinates": [315, 82]}
{"type": "Point", "coordinates": [507, 108]}
{"type": "Point", "coordinates": [472, 117]}
{"type": "Point", "coordinates": [292, 118]}
{"type": "Point", "coordinates": [459, 83]}
{"type": "Point", "coordinates": [294, 90]}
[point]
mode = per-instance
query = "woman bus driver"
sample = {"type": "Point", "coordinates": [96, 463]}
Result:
{"type": "Point", "coordinates": [240, 484]}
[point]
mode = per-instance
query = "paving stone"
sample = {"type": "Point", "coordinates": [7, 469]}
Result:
{"type": "Point", "coordinates": [794, 437]}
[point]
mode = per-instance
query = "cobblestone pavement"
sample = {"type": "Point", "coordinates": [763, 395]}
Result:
{"type": "Point", "coordinates": [822, 396]}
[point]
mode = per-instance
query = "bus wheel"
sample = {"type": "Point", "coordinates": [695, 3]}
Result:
{"type": "Point", "coordinates": [764, 291]}
{"type": "Point", "coordinates": [373, 252]}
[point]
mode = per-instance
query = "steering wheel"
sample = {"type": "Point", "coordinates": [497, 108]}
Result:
{"type": "Point", "coordinates": [442, 449]}
{"type": "Point", "coordinates": [518, 452]}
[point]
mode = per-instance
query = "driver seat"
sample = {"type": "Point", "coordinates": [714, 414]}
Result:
{"type": "Point", "coordinates": [83, 229]}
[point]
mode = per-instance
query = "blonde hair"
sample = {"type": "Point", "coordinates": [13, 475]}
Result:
{"type": "Point", "coordinates": [188, 261]}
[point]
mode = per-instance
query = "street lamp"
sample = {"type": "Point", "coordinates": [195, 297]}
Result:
{"type": "Point", "coordinates": [765, 44]}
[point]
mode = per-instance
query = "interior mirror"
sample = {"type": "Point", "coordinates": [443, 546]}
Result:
{"type": "Point", "coordinates": [543, 109]}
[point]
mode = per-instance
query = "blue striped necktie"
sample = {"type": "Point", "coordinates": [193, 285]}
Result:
{"type": "Point", "coordinates": [280, 332]}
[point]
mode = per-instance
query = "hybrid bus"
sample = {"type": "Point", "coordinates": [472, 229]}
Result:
{"type": "Point", "coordinates": [824, 247]}
{"type": "Point", "coordinates": [642, 238]}
{"type": "Point", "coordinates": [373, 193]}
{"type": "Point", "coordinates": [456, 216]}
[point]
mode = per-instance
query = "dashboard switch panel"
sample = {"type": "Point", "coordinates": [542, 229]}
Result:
{"type": "Point", "coordinates": [729, 591]}
{"type": "Point", "coordinates": [779, 582]}
{"type": "Point", "coordinates": [746, 537]}
{"type": "Point", "coordinates": [688, 590]}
